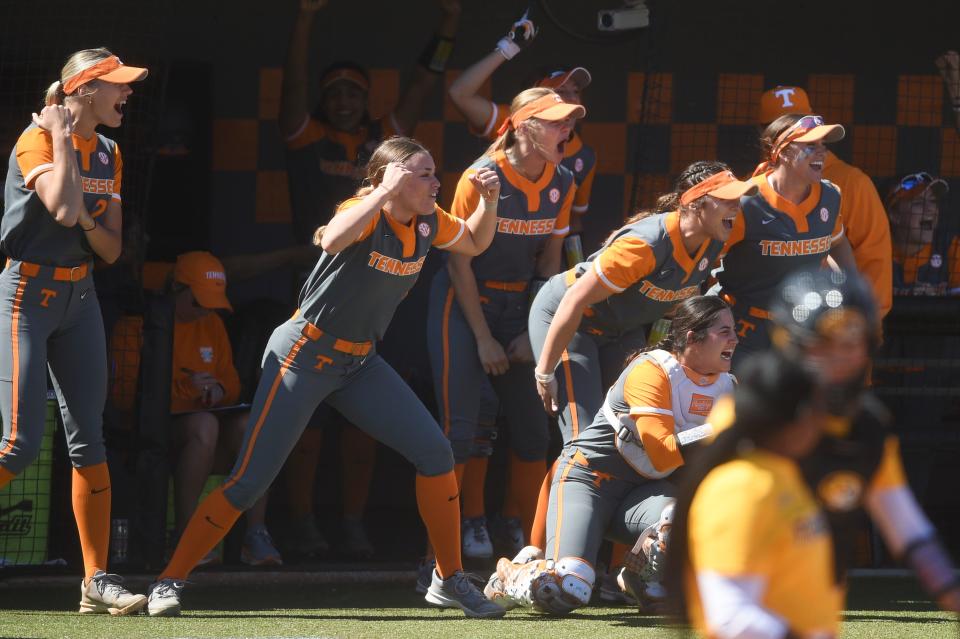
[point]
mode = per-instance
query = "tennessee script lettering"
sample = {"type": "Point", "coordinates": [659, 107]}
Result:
{"type": "Point", "coordinates": [663, 295]}
{"type": "Point", "coordinates": [790, 248]}
{"type": "Point", "coordinates": [394, 266]}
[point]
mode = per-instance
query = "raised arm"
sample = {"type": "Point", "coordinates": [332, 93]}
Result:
{"type": "Point", "coordinates": [59, 188]}
{"type": "Point", "coordinates": [295, 86]}
{"type": "Point", "coordinates": [430, 66]}
{"type": "Point", "coordinates": [346, 226]}
{"type": "Point", "coordinates": [465, 90]}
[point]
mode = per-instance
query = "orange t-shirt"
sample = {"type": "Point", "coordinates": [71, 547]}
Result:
{"type": "Point", "coordinates": [201, 346]}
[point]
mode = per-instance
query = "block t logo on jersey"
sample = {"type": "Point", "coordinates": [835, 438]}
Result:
{"type": "Point", "coordinates": [785, 94]}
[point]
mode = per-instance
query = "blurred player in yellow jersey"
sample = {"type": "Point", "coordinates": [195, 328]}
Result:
{"type": "Point", "coordinates": [762, 531]}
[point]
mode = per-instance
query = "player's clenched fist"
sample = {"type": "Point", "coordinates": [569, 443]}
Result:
{"type": "Point", "coordinates": [487, 183]}
{"type": "Point", "coordinates": [394, 176]}
{"type": "Point", "coordinates": [55, 118]}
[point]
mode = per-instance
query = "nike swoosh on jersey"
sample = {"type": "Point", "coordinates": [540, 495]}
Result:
{"type": "Point", "coordinates": [767, 220]}
{"type": "Point", "coordinates": [503, 197]}
{"type": "Point", "coordinates": [213, 523]}
{"type": "Point", "coordinates": [97, 491]}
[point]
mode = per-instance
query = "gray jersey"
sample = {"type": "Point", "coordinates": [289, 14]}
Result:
{"type": "Point", "coordinates": [28, 231]}
{"type": "Point", "coordinates": [528, 214]}
{"type": "Point", "coordinates": [648, 270]}
{"type": "Point", "coordinates": [354, 293]}
{"type": "Point", "coordinates": [774, 238]}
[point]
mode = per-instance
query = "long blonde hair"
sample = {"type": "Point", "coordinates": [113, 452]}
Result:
{"type": "Point", "coordinates": [77, 62]}
{"type": "Point", "coordinates": [507, 139]}
{"type": "Point", "coordinates": [394, 149]}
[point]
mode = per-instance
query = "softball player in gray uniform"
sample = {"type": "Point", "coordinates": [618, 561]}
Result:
{"type": "Point", "coordinates": [792, 222]}
{"type": "Point", "coordinates": [62, 208]}
{"type": "Point", "coordinates": [610, 480]}
{"type": "Point", "coordinates": [589, 318]}
{"type": "Point", "coordinates": [477, 322]}
{"type": "Point", "coordinates": [374, 250]}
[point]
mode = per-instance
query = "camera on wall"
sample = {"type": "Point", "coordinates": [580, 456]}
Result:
{"type": "Point", "coordinates": [634, 14]}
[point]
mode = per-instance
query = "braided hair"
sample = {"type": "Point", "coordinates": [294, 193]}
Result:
{"type": "Point", "coordinates": [688, 178]}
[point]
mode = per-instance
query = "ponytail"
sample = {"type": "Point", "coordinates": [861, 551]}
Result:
{"type": "Point", "coordinates": [54, 94]}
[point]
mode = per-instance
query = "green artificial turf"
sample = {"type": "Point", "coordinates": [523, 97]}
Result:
{"type": "Point", "coordinates": [879, 608]}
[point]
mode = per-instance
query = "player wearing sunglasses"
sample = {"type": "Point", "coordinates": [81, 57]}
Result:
{"type": "Point", "coordinates": [792, 222]}
{"type": "Point", "coordinates": [923, 262]}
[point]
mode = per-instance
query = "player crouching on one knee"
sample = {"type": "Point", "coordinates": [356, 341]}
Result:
{"type": "Point", "coordinates": [611, 479]}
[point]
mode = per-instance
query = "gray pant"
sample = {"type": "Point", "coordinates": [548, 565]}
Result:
{"type": "Point", "coordinates": [52, 324]}
{"type": "Point", "coordinates": [590, 365]}
{"type": "Point", "coordinates": [299, 373]}
{"type": "Point", "coordinates": [587, 506]}
{"type": "Point", "coordinates": [458, 376]}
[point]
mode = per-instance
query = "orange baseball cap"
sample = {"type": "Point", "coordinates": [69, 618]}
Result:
{"type": "Point", "coordinates": [556, 79]}
{"type": "Point", "coordinates": [205, 276]}
{"type": "Point", "coordinates": [723, 185]}
{"type": "Point", "coordinates": [548, 107]}
{"type": "Point", "coordinates": [109, 69]}
{"type": "Point", "coordinates": [782, 100]}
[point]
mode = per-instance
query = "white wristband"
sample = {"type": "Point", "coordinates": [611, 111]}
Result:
{"type": "Point", "coordinates": [508, 48]}
{"type": "Point", "coordinates": [544, 378]}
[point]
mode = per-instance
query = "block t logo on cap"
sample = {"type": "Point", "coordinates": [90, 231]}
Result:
{"type": "Point", "coordinates": [782, 100]}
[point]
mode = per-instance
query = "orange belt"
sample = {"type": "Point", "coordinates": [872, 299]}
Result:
{"type": "Point", "coordinates": [58, 273]}
{"type": "Point", "coordinates": [313, 332]}
{"type": "Point", "coordinates": [513, 287]}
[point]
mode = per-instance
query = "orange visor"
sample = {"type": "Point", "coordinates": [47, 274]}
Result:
{"type": "Point", "coordinates": [809, 128]}
{"type": "Point", "coordinates": [723, 185]}
{"type": "Point", "coordinates": [110, 70]}
{"type": "Point", "coordinates": [350, 75]}
{"type": "Point", "coordinates": [549, 107]}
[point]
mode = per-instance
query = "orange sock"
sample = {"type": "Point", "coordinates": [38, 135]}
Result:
{"type": "Point", "coordinates": [91, 508]}
{"type": "Point", "coordinates": [211, 522]}
{"type": "Point", "coordinates": [538, 530]}
{"type": "Point", "coordinates": [359, 454]}
{"type": "Point", "coordinates": [471, 488]}
{"type": "Point", "coordinates": [617, 554]}
{"type": "Point", "coordinates": [301, 472]}
{"type": "Point", "coordinates": [5, 477]}
{"type": "Point", "coordinates": [526, 483]}
{"type": "Point", "coordinates": [439, 507]}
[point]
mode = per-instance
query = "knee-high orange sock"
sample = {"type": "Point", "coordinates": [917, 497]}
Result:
{"type": "Point", "coordinates": [617, 554]}
{"type": "Point", "coordinates": [359, 454]}
{"type": "Point", "coordinates": [439, 507]}
{"type": "Point", "coordinates": [211, 522]}
{"type": "Point", "coordinates": [471, 488]}
{"type": "Point", "coordinates": [538, 530]}
{"type": "Point", "coordinates": [301, 471]}
{"type": "Point", "coordinates": [91, 508]}
{"type": "Point", "coordinates": [526, 483]}
{"type": "Point", "coordinates": [5, 476]}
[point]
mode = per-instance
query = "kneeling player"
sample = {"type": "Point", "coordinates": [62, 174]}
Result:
{"type": "Point", "coordinates": [611, 479]}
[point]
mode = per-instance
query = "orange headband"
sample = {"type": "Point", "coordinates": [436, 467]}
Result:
{"type": "Point", "coordinates": [531, 109]}
{"type": "Point", "coordinates": [350, 75]}
{"type": "Point", "coordinates": [91, 73]}
{"type": "Point", "coordinates": [712, 183]}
